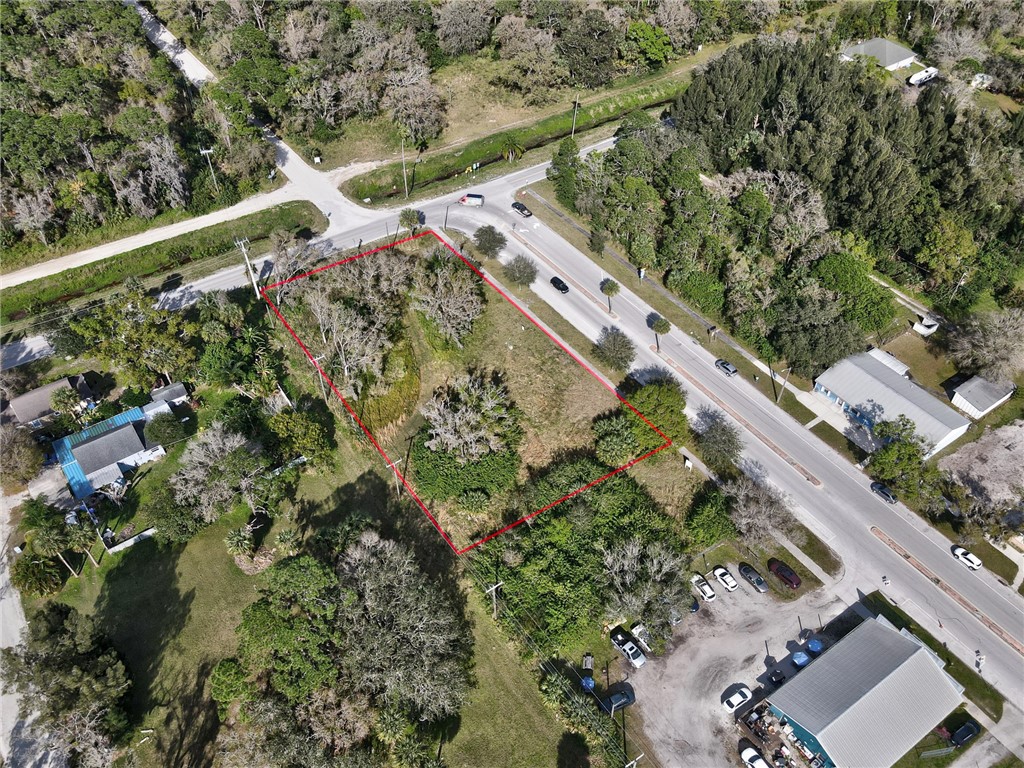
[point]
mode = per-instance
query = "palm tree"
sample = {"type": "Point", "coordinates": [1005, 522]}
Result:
{"type": "Point", "coordinates": [239, 541]}
{"type": "Point", "coordinates": [511, 147]}
{"type": "Point", "coordinates": [409, 218]}
{"type": "Point", "coordinates": [610, 288]}
{"type": "Point", "coordinates": [80, 539]}
{"type": "Point", "coordinates": [35, 575]}
{"type": "Point", "coordinates": [288, 542]}
{"type": "Point", "coordinates": [661, 327]}
{"type": "Point", "coordinates": [67, 401]}
{"type": "Point", "coordinates": [51, 541]}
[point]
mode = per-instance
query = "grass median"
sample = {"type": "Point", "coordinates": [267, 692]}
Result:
{"type": "Point", "coordinates": [28, 306]}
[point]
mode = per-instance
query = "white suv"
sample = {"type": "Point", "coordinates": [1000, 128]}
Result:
{"type": "Point", "coordinates": [970, 560]}
{"type": "Point", "coordinates": [703, 587]}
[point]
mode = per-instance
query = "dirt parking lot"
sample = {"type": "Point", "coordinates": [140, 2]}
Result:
{"type": "Point", "coordinates": [738, 638]}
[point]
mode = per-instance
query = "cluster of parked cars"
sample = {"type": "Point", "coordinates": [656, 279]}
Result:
{"type": "Point", "coordinates": [783, 572]}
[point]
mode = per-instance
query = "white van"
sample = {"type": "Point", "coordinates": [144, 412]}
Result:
{"type": "Point", "coordinates": [474, 200]}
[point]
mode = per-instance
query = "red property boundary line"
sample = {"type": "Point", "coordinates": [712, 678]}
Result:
{"type": "Point", "coordinates": [383, 453]}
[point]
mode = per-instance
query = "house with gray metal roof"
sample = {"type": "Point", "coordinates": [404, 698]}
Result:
{"type": "Point", "coordinates": [889, 55]}
{"type": "Point", "coordinates": [32, 409]}
{"type": "Point", "coordinates": [977, 396]}
{"type": "Point", "coordinates": [871, 390]}
{"type": "Point", "coordinates": [173, 394]}
{"type": "Point", "coordinates": [105, 452]}
{"type": "Point", "coordinates": [868, 699]}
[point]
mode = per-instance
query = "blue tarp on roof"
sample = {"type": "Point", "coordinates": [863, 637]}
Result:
{"type": "Point", "coordinates": [80, 485]}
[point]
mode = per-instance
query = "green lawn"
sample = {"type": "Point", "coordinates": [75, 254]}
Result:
{"type": "Point", "coordinates": [505, 723]}
{"type": "Point", "coordinates": [815, 548]}
{"type": "Point", "coordinates": [976, 689]}
{"type": "Point", "coordinates": [841, 443]}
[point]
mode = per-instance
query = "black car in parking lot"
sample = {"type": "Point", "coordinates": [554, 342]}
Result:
{"type": "Point", "coordinates": [560, 284]}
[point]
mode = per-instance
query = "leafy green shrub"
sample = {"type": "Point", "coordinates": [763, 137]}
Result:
{"type": "Point", "coordinates": [164, 429]}
{"type": "Point", "coordinates": [708, 521]}
{"type": "Point", "coordinates": [699, 287]}
{"type": "Point", "coordinates": [614, 440]}
{"type": "Point", "coordinates": [520, 270]}
{"type": "Point", "coordinates": [228, 685]}
{"type": "Point", "coordinates": [439, 475]}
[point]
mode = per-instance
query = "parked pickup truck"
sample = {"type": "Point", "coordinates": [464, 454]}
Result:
{"type": "Point", "coordinates": [473, 200]}
{"type": "Point", "coordinates": [628, 646]}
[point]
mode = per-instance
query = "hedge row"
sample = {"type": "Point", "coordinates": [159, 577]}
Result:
{"type": "Point", "coordinates": [386, 182]}
{"type": "Point", "coordinates": [45, 294]}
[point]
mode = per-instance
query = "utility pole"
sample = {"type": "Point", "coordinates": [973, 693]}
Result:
{"type": "Point", "coordinates": [206, 153]}
{"type": "Point", "coordinates": [958, 284]}
{"type": "Point", "coordinates": [788, 371]}
{"type": "Point", "coordinates": [446, 216]}
{"type": "Point", "coordinates": [575, 109]}
{"type": "Point", "coordinates": [242, 244]}
{"type": "Point", "coordinates": [405, 178]}
{"type": "Point", "coordinates": [493, 592]}
{"type": "Point", "coordinates": [906, 24]}
{"type": "Point", "coordinates": [320, 376]}
{"type": "Point", "coordinates": [393, 466]}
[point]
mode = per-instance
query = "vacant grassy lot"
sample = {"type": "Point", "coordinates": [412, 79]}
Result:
{"type": "Point", "coordinates": [505, 723]}
{"type": "Point", "coordinates": [841, 443]}
{"type": "Point", "coordinates": [928, 364]}
{"type": "Point", "coordinates": [976, 689]}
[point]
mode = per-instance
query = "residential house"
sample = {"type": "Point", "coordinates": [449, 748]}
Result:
{"type": "Point", "coordinates": [32, 409]}
{"type": "Point", "coordinates": [105, 452]}
{"type": "Point", "coordinates": [173, 394]}
{"type": "Point", "coordinates": [873, 386]}
{"type": "Point", "coordinates": [889, 55]}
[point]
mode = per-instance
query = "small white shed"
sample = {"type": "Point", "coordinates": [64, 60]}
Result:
{"type": "Point", "coordinates": [978, 397]}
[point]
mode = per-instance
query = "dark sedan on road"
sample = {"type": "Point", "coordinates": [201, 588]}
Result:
{"type": "Point", "coordinates": [522, 210]}
{"type": "Point", "coordinates": [883, 492]}
{"type": "Point", "coordinates": [560, 284]}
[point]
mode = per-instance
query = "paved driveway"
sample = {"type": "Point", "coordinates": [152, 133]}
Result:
{"type": "Point", "coordinates": [736, 639]}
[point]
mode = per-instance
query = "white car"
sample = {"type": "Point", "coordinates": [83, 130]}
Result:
{"type": "Point", "coordinates": [970, 560]}
{"type": "Point", "coordinates": [738, 699]}
{"type": "Point", "coordinates": [752, 758]}
{"type": "Point", "coordinates": [703, 587]}
{"type": "Point", "coordinates": [725, 578]}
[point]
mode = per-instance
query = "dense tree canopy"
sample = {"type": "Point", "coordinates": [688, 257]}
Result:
{"type": "Point", "coordinates": [98, 126]}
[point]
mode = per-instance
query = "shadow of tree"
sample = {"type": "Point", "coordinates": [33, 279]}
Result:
{"type": "Point", "coordinates": [188, 730]}
{"type": "Point", "coordinates": [573, 751]}
{"type": "Point", "coordinates": [142, 610]}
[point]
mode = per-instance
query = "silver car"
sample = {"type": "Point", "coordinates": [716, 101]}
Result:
{"type": "Point", "coordinates": [748, 572]}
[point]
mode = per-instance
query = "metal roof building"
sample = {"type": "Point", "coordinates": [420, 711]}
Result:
{"type": "Point", "coordinates": [889, 55]}
{"type": "Point", "coordinates": [869, 699]}
{"type": "Point", "coordinates": [870, 391]}
{"type": "Point", "coordinates": [977, 396]}
{"type": "Point", "coordinates": [101, 454]}
{"type": "Point", "coordinates": [32, 407]}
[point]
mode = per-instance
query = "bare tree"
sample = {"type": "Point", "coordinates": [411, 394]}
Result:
{"type": "Point", "coordinates": [33, 212]}
{"type": "Point", "coordinates": [213, 467]}
{"type": "Point", "coordinates": [757, 508]}
{"type": "Point", "coordinates": [166, 171]}
{"type": "Point", "coordinates": [678, 20]}
{"type": "Point", "coordinates": [463, 27]}
{"type": "Point", "coordinates": [447, 294]}
{"type": "Point", "coordinates": [338, 722]}
{"type": "Point", "coordinates": [418, 107]}
{"type": "Point", "coordinates": [991, 344]}
{"type": "Point", "coordinates": [472, 416]}
{"type": "Point", "coordinates": [291, 257]}
{"type": "Point", "coordinates": [955, 45]}
{"type": "Point", "coordinates": [79, 734]}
